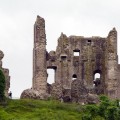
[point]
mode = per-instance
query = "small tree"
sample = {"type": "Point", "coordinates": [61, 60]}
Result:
{"type": "Point", "coordinates": [2, 86]}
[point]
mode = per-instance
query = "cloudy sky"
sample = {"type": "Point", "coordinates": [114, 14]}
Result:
{"type": "Point", "coordinates": [72, 17]}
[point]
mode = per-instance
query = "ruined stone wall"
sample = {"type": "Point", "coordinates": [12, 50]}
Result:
{"type": "Point", "coordinates": [118, 82]}
{"type": "Point", "coordinates": [6, 73]}
{"type": "Point", "coordinates": [89, 61]}
{"type": "Point", "coordinates": [75, 74]}
{"type": "Point", "coordinates": [7, 78]}
{"type": "Point", "coordinates": [96, 55]}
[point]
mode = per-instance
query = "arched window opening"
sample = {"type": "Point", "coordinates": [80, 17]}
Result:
{"type": "Point", "coordinates": [96, 80]}
{"type": "Point", "coordinates": [76, 52]}
{"type": "Point", "coordinates": [51, 76]}
{"type": "Point", "coordinates": [97, 75]}
{"type": "Point", "coordinates": [74, 77]}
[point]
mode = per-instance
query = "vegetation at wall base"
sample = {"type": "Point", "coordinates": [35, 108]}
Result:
{"type": "Point", "coordinates": [55, 110]}
{"type": "Point", "coordinates": [2, 86]}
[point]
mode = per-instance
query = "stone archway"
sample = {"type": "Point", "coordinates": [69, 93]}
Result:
{"type": "Point", "coordinates": [98, 82]}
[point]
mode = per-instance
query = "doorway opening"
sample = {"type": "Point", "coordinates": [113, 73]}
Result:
{"type": "Point", "coordinates": [97, 76]}
{"type": "Point", "coordinates": [51, 76]}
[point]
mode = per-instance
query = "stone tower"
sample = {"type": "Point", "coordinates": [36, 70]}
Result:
{"type": "Point", "coordinates": [112, 64]}
{"type": "Point", "coordinates": [75, 74]}
{"type": "Point", "coordinates": [39, 56]}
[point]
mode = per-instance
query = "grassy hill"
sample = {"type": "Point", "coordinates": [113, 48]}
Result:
{"type": "Point", "coordinates": [54, 110]}
{"type": "Point", "coordinates": [39, 110]}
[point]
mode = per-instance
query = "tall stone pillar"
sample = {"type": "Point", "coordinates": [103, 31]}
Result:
{"type": "Point", "coordinates": [112, 64]}
{"type": "Point", "coordinates": [88, 68]}
{"type": "Point", "coordinates": [39, 56]}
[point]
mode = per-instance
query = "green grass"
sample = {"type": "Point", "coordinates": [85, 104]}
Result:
{"type": "Point", "coordinates": [55, 110]}
{"type": "Point", "coordinates": [39, 110]}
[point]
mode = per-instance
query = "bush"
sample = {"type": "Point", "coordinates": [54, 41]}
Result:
{"type": "Point", "coordinates": [110, 113]}
{"type": "Point", "coordinates": [2, 86]}
{"type": "Point", "coordinates": [86, 117]}
{"type": "Point", "coordinates": [109, 109]}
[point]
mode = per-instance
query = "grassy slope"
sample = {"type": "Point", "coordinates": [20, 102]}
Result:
{"type": "Point", "coordinates": [39, 110]}
{"type": "Point", "coordinates": [54, 110]}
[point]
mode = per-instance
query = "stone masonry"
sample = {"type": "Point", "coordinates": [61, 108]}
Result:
{"type": "Point", "coordinates": [6, 73]}
{"type": "Point", "coordinates": [76, 61]}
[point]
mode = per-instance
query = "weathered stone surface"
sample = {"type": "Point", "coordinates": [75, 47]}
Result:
{"type": "Point", "coordinates": [66, 95]}
{"type": "Point", "coordinates": [80, 58]}
{"type": "Point", "coordinates": [7, 79]}
{"type": "Point", "coordinates": [49, 88]}
{"type": "Point", "coordinates": [78, 91]}
{"type": "Point", "coordinates": [39, 56]}
{"type": "Point", "coordinates": [56, 90]}
{"type": "Point", "coordinates": [92, 99]}
{"type": "Point", "coordinates": [33, 94]}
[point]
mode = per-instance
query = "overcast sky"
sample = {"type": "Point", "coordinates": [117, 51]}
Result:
{"type": "Point", "coordinates": [72, 17]}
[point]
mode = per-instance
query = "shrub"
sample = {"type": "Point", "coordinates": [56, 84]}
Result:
{"type": "Point", "coordinates": [86, 117]}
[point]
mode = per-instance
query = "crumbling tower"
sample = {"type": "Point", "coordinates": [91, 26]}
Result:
{"type": "Point", "coordinates": [39, 56]}
{"type": "Point", "coordinates": [112, 63]}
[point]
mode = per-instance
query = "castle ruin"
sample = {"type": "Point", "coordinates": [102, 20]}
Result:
{"type": "Point", "coordinates": [74, 74]}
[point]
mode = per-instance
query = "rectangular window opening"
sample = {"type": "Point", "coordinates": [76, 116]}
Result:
{"type": "Point", "coordinates": [76, 52]}
{"type": "Point", "coordinates": [63, 57]}
{"type": "Point", "coordinates": [89, 41]}
{"type": "Point", "coordinates": [51, 76]}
